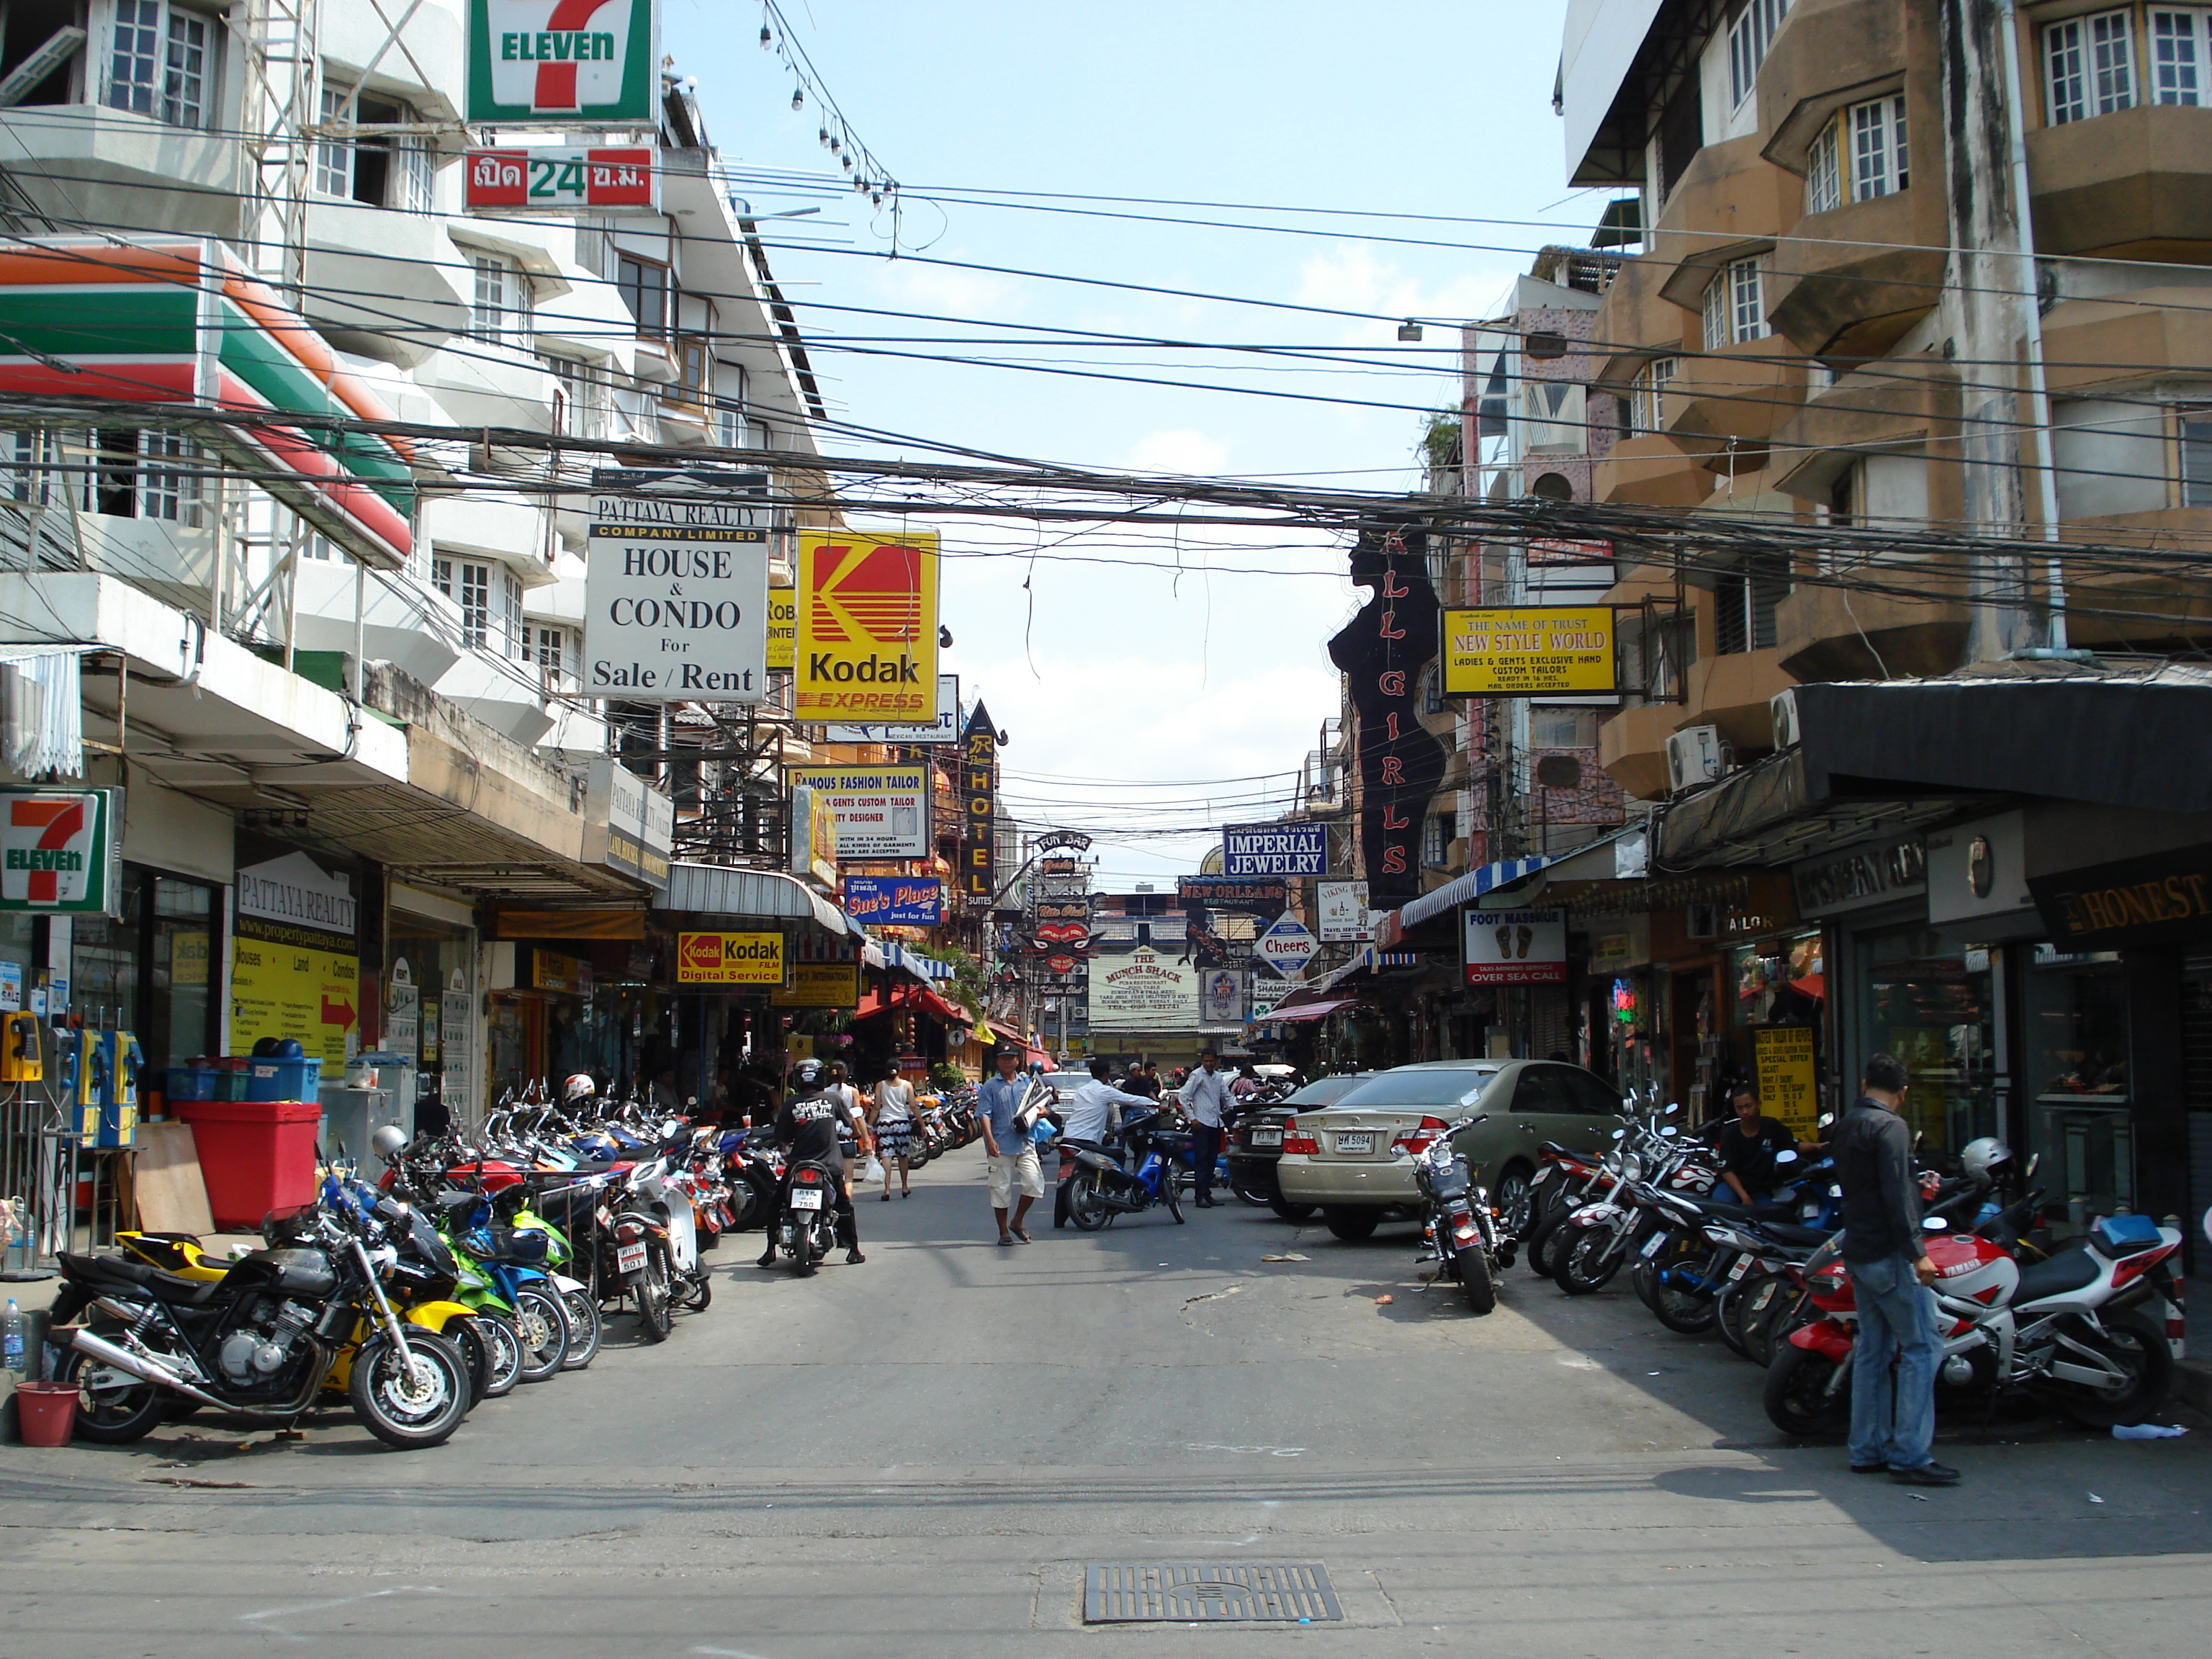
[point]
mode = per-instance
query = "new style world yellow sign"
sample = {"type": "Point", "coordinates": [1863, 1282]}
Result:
{"type": "Point", "coordinates": [1528, 651]}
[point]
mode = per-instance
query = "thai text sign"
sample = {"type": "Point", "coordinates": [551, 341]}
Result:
{"type": "Point", "coordinates": [540, 63]}
{"type": "Point", "coordinates": [882, 812]}
{"type": "Point", "coordinates": [1528, 651]}
{"type": "Point", "coordinates": [1516, 947]}
{"type": "Point", "coordinates": [867, 628]}
{"type": "Point", "coordinates": [59, 851]}
{"type": "Point", "coordinates": [600, 179]}
{"type": "Point", "coordinates": [896, 900]}
{"type": "Point", "coordinates": [729, 958]}
{"type": "Point", "coordinates": [675, 594]}
{"type": "Point", "coordinates": [1787, 1087]}
{"type": "Point", "coordinates": [1274, 849]}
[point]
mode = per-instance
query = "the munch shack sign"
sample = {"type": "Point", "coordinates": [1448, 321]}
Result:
{"type": "Point", "coordinates": [2166, 898]}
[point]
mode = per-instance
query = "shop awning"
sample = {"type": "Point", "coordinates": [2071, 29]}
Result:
{"type": "Point", "coordinates": [1320, 1009]}
{"type": "Point", "coordinates": [911, 999]}
{"type": "Point", "coordinates": [719, 890]}
{"type": "Point", "coordinates": [627, 924]}
{"type": "Point", "coordinates": [1464, 889]}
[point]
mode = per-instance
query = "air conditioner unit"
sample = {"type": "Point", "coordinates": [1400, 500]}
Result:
{"type": "Point", "coordinates": [1782, 707]}
{"type": "Point", "coordinates": [1695, 755]}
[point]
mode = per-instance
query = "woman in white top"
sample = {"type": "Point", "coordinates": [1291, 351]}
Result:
{"type": "Point", "coordinates": [891, 1121]}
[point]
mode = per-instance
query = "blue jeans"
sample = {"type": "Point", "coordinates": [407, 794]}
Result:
{"type": "Point", "coordinates": [1894, 1412]}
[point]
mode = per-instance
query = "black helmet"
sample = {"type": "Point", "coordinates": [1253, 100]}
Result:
{"type": "Point", "coordinates": [808, 1074]}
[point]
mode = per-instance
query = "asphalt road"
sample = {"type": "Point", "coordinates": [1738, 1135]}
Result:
{"type": "Point", "coordinates": [921, 1455]}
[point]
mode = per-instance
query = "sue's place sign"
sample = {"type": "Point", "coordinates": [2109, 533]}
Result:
{"type": "Point", "coordinates": [543, 63]}
{"type": "Point", "coordinates": [676, 587]}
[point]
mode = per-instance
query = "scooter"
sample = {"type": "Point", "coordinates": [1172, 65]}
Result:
{"type": "Point", "coordinates": [1100, 1188]}
{"type": "Point", "coordinates": [805, 1227]}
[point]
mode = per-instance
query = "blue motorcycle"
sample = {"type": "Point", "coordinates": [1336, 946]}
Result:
{"type": "Point", "coordinates": [1102, 1187]}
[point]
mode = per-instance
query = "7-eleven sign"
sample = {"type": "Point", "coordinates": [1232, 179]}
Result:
{"type": "Point", "coordinates": [57, 850]}
{"type": "Point", "coordinates": [546, 63]}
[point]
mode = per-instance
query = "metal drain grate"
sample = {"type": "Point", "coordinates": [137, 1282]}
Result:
{"type": "Point", "coordinates": [1194, 1591]}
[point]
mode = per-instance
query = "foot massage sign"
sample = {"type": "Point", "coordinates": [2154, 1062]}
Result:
{"type": "Point", "coordinates": [1516, 947]}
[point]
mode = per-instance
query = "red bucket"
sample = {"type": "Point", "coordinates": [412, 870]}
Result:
{"type": "Point", "coordinates": [47, 1411]}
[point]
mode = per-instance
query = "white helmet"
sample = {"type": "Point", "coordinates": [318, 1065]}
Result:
{"type": "Point", "coordinates": [389, 1141]}
{"type": "Point", "coordinates": [1986, 1159]}
{"type": "Point", "coordinates": [578, 1087]}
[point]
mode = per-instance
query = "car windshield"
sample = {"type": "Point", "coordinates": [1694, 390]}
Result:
{"type": "Point", "coordinates": [1067, 1083]}
{"type": "Point", "coordinates": [1325, 1091]}
{"type": "Point", "coordinates": [1448, 1086]}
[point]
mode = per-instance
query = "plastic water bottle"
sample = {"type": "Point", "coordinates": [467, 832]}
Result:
{"type": "Point", "coordinates": [11, 1339]}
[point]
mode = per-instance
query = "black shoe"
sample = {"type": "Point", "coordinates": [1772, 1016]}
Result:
{"type": "Point", "coordinates": [1869, 1468]}
{"type": "Point", "coordinates": [854, 1258]}
{"type": "Point", "coordinates": [767, 1260]}
{"type": "Point", "coordinates": [1925, 1475]}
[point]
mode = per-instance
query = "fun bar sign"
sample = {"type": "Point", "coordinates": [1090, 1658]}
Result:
{"type": "Point", "coordinates": [579, 62]}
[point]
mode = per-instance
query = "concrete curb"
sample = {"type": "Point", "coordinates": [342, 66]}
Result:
{"type": "Point", "coordinates": [2192, 1384]}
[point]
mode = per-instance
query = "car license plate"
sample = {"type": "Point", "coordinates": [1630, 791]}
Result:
{"type": "Point", "coordinates": [630, 1258]}
{"type": "Point", "coordinates": [804, 1199]}
{"type": "Point", "coordinates": [1362, 1141]}
{"type": "Point", "coordinates": [1654, 1244]}
{"type": "Point", "coordinates": [1266, 1137]}
{"type": "Point", "coordinates": [1742, 1266]}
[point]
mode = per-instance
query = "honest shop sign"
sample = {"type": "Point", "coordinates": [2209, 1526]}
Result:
{"type": "Point", "coordinates": [729, 958]}
{"type": "Point", "coordinates": [1528, 651]}
{"type": "Point", "coordinates": [574, 63]}
{"type": "Point", "coordinates": [866, 649]}
{"type": "Point", "coordinates": [675, 595]}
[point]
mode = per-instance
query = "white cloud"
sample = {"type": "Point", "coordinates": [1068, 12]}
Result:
{"type": "Point", "coordinates": [1179, 451]}
{"type": "Point", "coordinates": [1352, 275]}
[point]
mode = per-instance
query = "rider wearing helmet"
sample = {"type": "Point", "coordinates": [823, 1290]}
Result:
{"type": "Point", "coordinates": [807, 1127]}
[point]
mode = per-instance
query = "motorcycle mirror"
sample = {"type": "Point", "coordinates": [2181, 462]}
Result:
{"type": "Point", "coordinates": [1670, 1130]}
{"type": "Point", "coordinates": [1935, 1224]}
{"type": "Point", "coordinates": [1673, 1108]}
{"type": "Point", "coordinates": [1785, 1157]}
{"type": "Point", "coordinates": [1618, 1133]}
{"type": "Point", "coordinates": [2033, 1159]}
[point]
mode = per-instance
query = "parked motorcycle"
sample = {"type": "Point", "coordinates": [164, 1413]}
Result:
{"type": "Point", "coordinates": [1458, 1230]}
{"type": "Point", "coordinates": [1100, 1187]}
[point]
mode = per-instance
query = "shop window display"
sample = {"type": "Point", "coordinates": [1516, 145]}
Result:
{"type": "Point", "coordinates": [2079, 1116]}
{"type": "Point", "coordinates": [1927, 1006]}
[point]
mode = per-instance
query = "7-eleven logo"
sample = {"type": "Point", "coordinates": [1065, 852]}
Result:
{"type": "Point", "coordinates": [45, 849]}
{"type": "Point", "coordinates": [563, 56]}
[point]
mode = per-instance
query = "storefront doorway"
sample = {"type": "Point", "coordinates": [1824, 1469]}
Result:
{"type": "Point", "coordinates": [2079, 1116]}
{"type": "Point", "coordinates": [1931, 1001]}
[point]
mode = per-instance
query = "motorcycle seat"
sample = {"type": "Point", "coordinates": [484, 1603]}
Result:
{"type": "Point", "coordinates": [1788, 1232]}
{"type": "Point", "coordinates": [2070, 1270]}
{"type": "Point", "coordinates": [163, 1287]}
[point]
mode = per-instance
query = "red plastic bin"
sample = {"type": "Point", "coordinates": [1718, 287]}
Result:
{"type": "Point", "coordinates": [255, 1156]}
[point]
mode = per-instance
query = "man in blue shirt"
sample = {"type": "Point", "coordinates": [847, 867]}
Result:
{"type": "Point", "coordinates": [1007, 1151]}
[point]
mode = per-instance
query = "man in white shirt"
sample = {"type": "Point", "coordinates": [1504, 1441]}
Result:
{"type": "Point", "coordinates": [1205, 1105]}
{"type": "Point", "coordinates": [1090, 1113]}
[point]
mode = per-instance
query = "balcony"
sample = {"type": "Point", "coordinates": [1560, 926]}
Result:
{"type": "Point", "coordinates": [1741, 392]}
{"type": "Point", "coordinates": [1731, 692]}
{"type": "Point", "coordinates": [2131, 610]}
{"type": "Point", "coordinates": [89, 163]}
{"type": "Point", "coordinates": [1631, 747]}
{"type": "Point", "coordinates": [1862, 275]}
{"type": "Point", "coordinates": [2092, 342]}
{"type": "Point", "coordinates": [1650, 470]}
{"type": "Point", "coordinates": [1739, 202]}
{"type": "Point", "coordinates": [2135, 185]}
{"type": "Point", "coordinates": [1832, 633]}
{"type": "Point", "coordinates": [1909, 402]}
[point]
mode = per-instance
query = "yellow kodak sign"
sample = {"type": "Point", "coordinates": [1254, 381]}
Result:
{"type": "Point", "coordinates": [729, 958]}
{"type": "Point", "coordinates": [867, 647]}
{"type": "Point", "coordinates": [1528, 651]}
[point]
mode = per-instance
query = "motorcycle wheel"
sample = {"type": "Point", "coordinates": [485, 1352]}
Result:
{"type": "Point", "coordinates": [410, 1408]}
{"type": "Point", "coordinates": [1747, 1305]}
{"type": "Point", "coordinates": [1087, 1205]}
{"type": "Point", "coordinates": [1797, 1399]}
{"type": "Point", "coordinates": [113, 1408]}
{"type": "Point", "coordinates": [506, 1349]}
{"type": "Point", "coordinates": [1475, 1279]}
{"type": "Point", "coordinates": [475, 1354]}
{"type": "Point", "coordinates": [1290, 1210]}
{"type": "Point", "coordinates": [585, 1330]}
{"type": "Point", "coordinates": [2139, 1348]}
{"type": "Point", "coordinates": [1351, 1225]}
{"type": "Point", "coordinates": [1171, 1197]}
{"type": "Point", "coordinates": [1540, 1247]}
{"type": "Point", "coordinates": [917, 1154]}
{"type": "Point", "coordinates": [1686, 1312]}
{"type": "Point", "coordinates": [653, 1316]}
{"type": "Point", "coordinates": [802, 1255]}
{"type": "Point", "coordinates": [1789, 1310]}
{"type": "Point", "coordinates": [1585, 1264]}
{"type": "Point", "coordinates": [544, 1328]}
{"type": "Point", "coordinates": [1728, 1318]}
{"type": "Point", "coordinates": [696, 1293]}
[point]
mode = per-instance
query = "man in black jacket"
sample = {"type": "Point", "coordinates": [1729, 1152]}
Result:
{"type": "Point", "coordinates": [1896, 1350]}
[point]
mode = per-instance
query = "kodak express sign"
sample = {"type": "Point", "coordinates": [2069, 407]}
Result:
{"type": "Point", "coordinates": [589, 63]}
{"type": "Point", "coordinates": [729, 958]}
{"type": "Point", "coordinates": [866, 645]}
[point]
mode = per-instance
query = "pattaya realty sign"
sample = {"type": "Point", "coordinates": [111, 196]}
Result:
{"type": "Point", "coordinates": [577, 63]}
{"type": "Point", "coordinates": [676, 588]}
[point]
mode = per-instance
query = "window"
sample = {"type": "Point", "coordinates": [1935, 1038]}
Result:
{"type": "Point", "coordinates": [467, 584]}
{"type": "Point", "coordinates": [1432, 694]}
{"type": "Point", "coordinates": [168, 487]}
{"type": "Point", "coordinates": [644, 288]}
{"type": "Point", "coordinates": [1735, 307]}
{"type": "Point", "coordinates": [500, 309]}
{"type": "Point", "coordinates": [1750, 36]}
{"type": "Point", "coordinates": [46, 467]}
{"type": "Point", "coordinates": [1744, 599]}
{"type": "Point", "coordinates": [334, 156]}
{"type": "Point", "coordinates": [1438, 832]}
{"type": "Point", "coordinates": [1541, 1088]}
{"type": "Point", "coordinates": [1824, 173]}
{"type": "Point", "coordinates": [580, 399]}
{"type": "Point", "coordinates": [694, 367]}
{"type": "Point", "coordinates": [550, 649]}
{"type": "Point", "coordinates": [510, 615]}
{"type": "Point", "coordinates": [2196, 425]}
{"type": "Point", "coordinates": [1563, 728]}
{"type": "Point", "coordinates": [1652, 394]}
{"type": "Point", "coordinates": [159, 64]}
{"type": "Point", "coordinates": [1555, 415]}
{"type": "Point", "coordinates": [1878, 158]}
{"type": "Point", "coordinates": [2179, 57]}
{"type": "Point", "coordinates": [2090, 66]}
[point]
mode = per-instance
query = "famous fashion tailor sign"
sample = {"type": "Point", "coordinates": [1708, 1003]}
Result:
{"type": "Point", "coordinates": [866, 649]}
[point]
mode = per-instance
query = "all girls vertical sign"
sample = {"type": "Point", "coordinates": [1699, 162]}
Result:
{"type": "Point", "coordinates": [1383, 651]}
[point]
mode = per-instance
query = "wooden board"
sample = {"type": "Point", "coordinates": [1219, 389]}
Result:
{"type": "Point", "coordinates": [172, 1196]}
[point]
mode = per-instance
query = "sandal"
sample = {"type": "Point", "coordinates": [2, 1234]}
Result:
{"type": "Point", "coordinates": [1006, 1239]}
{"type": "Point", "coordinates": [1020, 1233]}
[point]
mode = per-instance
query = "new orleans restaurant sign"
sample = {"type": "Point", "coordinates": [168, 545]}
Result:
{"type": "Point", "coordinates": [565, 62]}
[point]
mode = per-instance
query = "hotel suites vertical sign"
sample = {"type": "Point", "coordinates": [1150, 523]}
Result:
{"type": "Point", "coordinates": [979, 807]}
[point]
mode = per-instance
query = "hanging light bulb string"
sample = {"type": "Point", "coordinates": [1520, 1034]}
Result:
{"type": "Point", "coordinates": [869, 176]}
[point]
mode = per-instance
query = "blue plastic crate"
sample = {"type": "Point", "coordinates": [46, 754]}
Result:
{"type": "Point", "coordinates": [192, 1083]}
{"type": "Point", "coordinates": [283, 1079]}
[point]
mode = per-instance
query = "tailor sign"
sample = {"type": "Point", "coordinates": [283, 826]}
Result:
{"type": "Point", "coordinates": [1528, 651]}
{"type": "Point", "coordinates": [676, 587]}
{"type": "Point", "coordinates": [882, 812]}
{"type": "Point", "coordinates": [866, 649]}
{"type": "Point", "coordinates": [563, 63]}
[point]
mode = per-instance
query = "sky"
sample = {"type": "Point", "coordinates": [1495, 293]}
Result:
{"type": "Point", "coordinates": [1144, 678]}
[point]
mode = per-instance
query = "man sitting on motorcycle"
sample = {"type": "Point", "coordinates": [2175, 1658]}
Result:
{"type": "Point", "coordinates": [1093, 1112]}
{"type": "Point", "coordinates": [807, 1127]}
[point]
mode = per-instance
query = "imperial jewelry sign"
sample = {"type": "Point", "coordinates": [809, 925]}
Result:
{"type": "Point", "coordinates": [676, 589]}
{"type": "Point", "coordinates": [1274, 849]}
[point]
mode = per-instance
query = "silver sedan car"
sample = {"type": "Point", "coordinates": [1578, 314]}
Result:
{"type": "Point", "coordinates": [1354, 1160]}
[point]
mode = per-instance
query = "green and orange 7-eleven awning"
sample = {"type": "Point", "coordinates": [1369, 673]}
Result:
{"type": "Point", "coordinates": [174, 321]}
